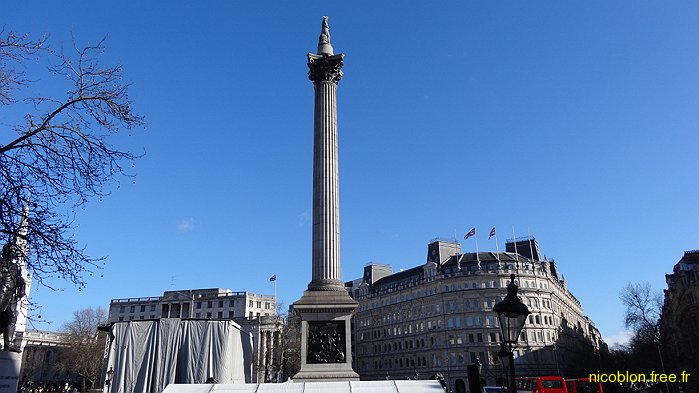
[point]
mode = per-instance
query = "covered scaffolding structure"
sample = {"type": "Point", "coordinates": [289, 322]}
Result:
{"type": "Point", "coordinates": [147, 356]}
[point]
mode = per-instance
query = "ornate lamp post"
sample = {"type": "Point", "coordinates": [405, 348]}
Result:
{"type": "Point", "coordinates": [512, 314]}
{"type": "Point", "coordinates": [110, 377]}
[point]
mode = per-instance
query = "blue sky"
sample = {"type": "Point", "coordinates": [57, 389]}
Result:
{"type": "Point", "coordinates": [573, 121]}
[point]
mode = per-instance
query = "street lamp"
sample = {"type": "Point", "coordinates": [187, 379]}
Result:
{"type": "Point", "coordinates": [110, 376]}
{"type": "Point", "coordinates": [512, 314]}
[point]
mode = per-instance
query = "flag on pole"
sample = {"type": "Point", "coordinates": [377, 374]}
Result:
{"type": "Point", "coordinates": [273, 278]}
{"type": "Point", "coordinates": [470, 233]}
{"type": "Point", "coordinates": [492, 233]}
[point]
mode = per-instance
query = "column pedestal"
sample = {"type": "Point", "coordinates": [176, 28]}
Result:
{"type": "Point", "coordinates": [326, 344]}
{"type": "Point", "coordinates": [10, 363]}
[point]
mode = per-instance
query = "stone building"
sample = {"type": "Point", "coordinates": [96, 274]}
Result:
{"type": "Point", "coordinates": [212, 303]}
{"type": "Point", "coordinates": [255, 313]}
{"type": "Point", "coordinates": [41, 351]}
{"type": "Point", "coordinates": [437, 317]}
{"type": "Point", "coordinates": [679, 323]}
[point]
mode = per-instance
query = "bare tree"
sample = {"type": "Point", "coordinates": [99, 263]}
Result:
{"type": "Point", "coordinates": [642, 315]}
{"type": "Point", "coordinates": [85, 346]}
{"type": "Point", "coordinates": [58, 154]}
{"type": "Point", "coordinates": [643, 308]}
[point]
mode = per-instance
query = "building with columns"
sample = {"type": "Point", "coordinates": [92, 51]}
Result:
{"type": "Point", "coordinates": [255, 313]}
{"type": "Point", "coordinates": [437, 317]}
{"type": "Point", "coordinates": [40, 354]}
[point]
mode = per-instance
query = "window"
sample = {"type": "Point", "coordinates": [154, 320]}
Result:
{"type": "Point", "coordinates": [267, 305]}
{"type": "Point", "coordinates": [250, 315]}
{"type": "Point", "coordinates": [259, 304]}
{"type": "Point", "coordinates": [152, 307]}
{"type": "Point", "coordinates": [132, 309]}
{"type": "Point", "coordinates": [251, 304]}
{"type": "Point", "coordinates": [231, 314]}
{"type": "Point", "coordinates": [220, 303]}
{"type": "Point", "coordinates": [480, 337]}
{"type": "Point", "coordinates": [198, 305]}
{"type": "Point", "coordinates": [141, 317]}
{"type": "Point", "coordinates": [197, 315]}
{"type": "Point", "coordinates": [231, 303]}
{"type": "Point", "coordinates": [220, 315]}
{"type": "Point", "coordinates": [121, 319]}
{"type": "Point", "coordinates": [209, 304]}
{"type": "Point", "coordinates": [143, 308]}
{"type": "Point", "coordinates": [208, 314]}
{"type": "Point", "coordinates": [492, 337]}
{"type": "Point", "coordinates": [122, 308]}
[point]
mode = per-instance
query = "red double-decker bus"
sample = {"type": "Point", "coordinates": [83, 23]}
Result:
{"type": "Point", "coordinates": [541, 385]}
{"type": "Point", "coordinates": [583, 385]}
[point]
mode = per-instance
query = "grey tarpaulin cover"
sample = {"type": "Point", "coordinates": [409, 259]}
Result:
{"type": "Point", "coordinates": [146, 356]}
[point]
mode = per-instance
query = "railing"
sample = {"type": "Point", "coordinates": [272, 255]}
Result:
{"type": "Point", "coordinates": [137, 299]}
{"type": "Point", "coordinates": [520, 239]}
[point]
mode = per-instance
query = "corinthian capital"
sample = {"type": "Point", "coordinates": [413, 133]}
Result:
{"type": "Point", "coordinates": [324, 68]}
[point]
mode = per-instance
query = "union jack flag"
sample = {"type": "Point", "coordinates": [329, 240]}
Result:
{"type": "Point", "coordinates": [470, 233]}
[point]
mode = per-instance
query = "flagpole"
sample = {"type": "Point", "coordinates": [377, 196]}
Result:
{"type": "Point", "coordinates": [478, 259]}
{"type": "Point", "coordinates": [514, 239]}
{"type": "Point", "coordinates": [497, 249]}
{"type": "Point", "coordinates": [458, 254]}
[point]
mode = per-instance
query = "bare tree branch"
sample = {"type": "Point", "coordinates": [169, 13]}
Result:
{"type": "Point", "coordinates": [61, 153]}
{"type": "Point", "coordinates": [85, 345]}
{"type": "Point", "coordinates": [643, 308]}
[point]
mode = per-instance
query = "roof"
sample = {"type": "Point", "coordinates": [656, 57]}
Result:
{"type": "Point", "coordinates": [423, 386]}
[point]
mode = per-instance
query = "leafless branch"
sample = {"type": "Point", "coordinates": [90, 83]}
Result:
{"type": "Point", "coordinates": [61, 154]}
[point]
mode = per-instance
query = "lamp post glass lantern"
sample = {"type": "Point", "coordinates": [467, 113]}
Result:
{"type": "Point", "coordinates": [512, 314]}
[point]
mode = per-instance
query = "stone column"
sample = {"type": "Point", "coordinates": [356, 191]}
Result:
{"type": "Point", "coordinates": [263, 353]}
{"type": "Point", "coordinates": [325, 70]}
{"type": "Point", "coordinates": [326, 307]}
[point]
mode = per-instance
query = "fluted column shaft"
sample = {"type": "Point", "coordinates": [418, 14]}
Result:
{"type": "Point", "coordinates": [325, 71]}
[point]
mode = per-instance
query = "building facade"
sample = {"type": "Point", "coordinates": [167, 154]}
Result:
{"type": "Point", "coordinates": [40, 355]}
{"type": "Point", "coordinates": [679, 323]}
{"type": "Point", "coordinates": [212, 303]}
{"type": "Point", "coordinates": [437, 317]}
{"type": "Point", "coordinates": [255, 313]}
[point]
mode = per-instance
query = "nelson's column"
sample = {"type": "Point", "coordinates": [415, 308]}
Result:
{"type": "Point", "coordinates": [325, 308]}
